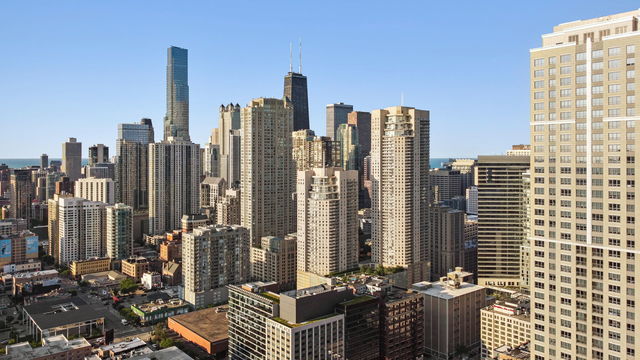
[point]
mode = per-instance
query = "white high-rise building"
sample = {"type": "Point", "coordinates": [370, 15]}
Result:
{"type": "Point", "coordinates": [174, 183]}
{"type": "Point", "coordinates": [327, 220]}
{"type": "Point", "coordinates": [471, 195]}
{"type": "Point", "coordinates": [119, 231]}
{"type": "Point", "coordinates": [268, 170]}
{"type": "Point", "coordinates": [213, 257]}
{"type": "Point", "coordinates": [81, 229]}
{"type": "Point", "coordinates": [96, 189]}
{"type": "Point", "coordinates": [400, 184]}
{"type": "Point", "coordinates": [584, 124]}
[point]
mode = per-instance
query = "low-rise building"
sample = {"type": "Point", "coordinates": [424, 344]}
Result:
{"type": "Point", "coordinates": [135, 267]}
{"type": "Point", "coordinates": [151, 280]}
{"type": "Point", "coordinates": [78, 268]}
{"type": "Point", "coordinates": [170, 353]}
{"type": "Point", "coordinates": [171, 250]}
{"type": "Point", "coordinates": [110, 278]}
{"type": "Point", "coordinates": [452, 316]}
{"type": "Point", "coordinates": [70, 317]}
{"type": "Point", "coordinates": [18, 248]}
{"type": "Point", "coordinates": [158, 310]}
{"type": "Point", "coordinates": [275, 260]}
{"type": "Point", "coordinates": [505, 323]}
{"type": "Point", "coordinates": [510, 353]}
{"type": "Point", "coordinates": [53, 347]}
{"type": "Point", "coordinates": [30, 265]}
{"type": "Point", "coordinates": [172, 273]}
{"type": "Point", "coordinates": [207, 328]}
{"type": "Point", "coordinates": [402, 327]}
{"type": "Point", "coordinates": [35, 282]}
{"type": "Point", "coordinates": [120, 349]}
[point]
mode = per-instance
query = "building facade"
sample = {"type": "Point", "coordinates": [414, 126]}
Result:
{"type": "Point", "coordinates": [327, 220]}
{"type": "Point", "coordinates": [214, 257]}
{"type": "Point", "coordinates": [119, 231]}
{"type": "Point", "coordinates": [275, 260]}
{"type": "Point", "coordinates": [295, 90]}
{"type": "Point", "coordinates": [72, 158]}
{"type": "Point", "coordinates": [400, 187]}
{"type": "Point", "coordinates": [502, 218]}
{"type": "Point", "coordinates": [336, 114]}
{"type": "Point", "coordinates": [448, 240]}
{"type": "Point", "coordinates": [81, 229]}
{"type": "Point", "coordinates": [584, 122]}
{"type": "Point", "coordinates": [176, 121]}
{"type": "Point", "coordinates": [268, 170]}
{"type": "Point", "coordinates": [94, 189]}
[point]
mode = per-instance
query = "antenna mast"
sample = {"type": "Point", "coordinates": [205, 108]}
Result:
{"type": "Point", "coordinates": [290, 56]}
{"type": "Point", "coordinates": [300, 66]}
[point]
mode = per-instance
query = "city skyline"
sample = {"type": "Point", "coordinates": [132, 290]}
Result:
{"type": "Point", "coordinates": [69, 92]}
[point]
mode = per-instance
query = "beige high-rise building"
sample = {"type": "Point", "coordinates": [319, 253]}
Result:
{"type": "Point", "coordinates": [327, 220]}
{"type": "Point", "coordinates": [227, 137]}
{"type": "Point", "coordinates": [502, 217]}
{"type": "Point", "coordinates": [504, 323]}
{"type": "Point", "coordinates": [81, 229]}
{"type": "Point", "coordinates": [174, 183]}
{"type": "Point", "coordinates": [96, 189]}
{"type": "Point", "coordinates": [228, 208]}
{"type": "Point", "coordinates": [213, 256]}
{"type": "Point", "coordinates": [310, 151]}
{"type": "Point", "coordinates": [211, 190]}
{"type": "Point", "coordinates": [268, 171]}
{"type": "Point", "coordinates": [400, 187]}
{"type": "Point", "coordinates": [275, 260]}
{"type": "Point", "coordinates": [584, 122]}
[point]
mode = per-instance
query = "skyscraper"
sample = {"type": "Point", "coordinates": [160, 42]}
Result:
{"type": "Point", "coordinates": [22, 194]}
{"type": "Point", "coordinates": [584, 122]}
{"type": "Point", "coordinates": [310, 151]}
{"type": "Point", "coordinates": [174, 183]}
{"type": "Point", "coordinates": [268, 170]}
{"type": "Point", "coordinates": [336, 114]}
{"type": "Point", "coordinates": [72, 158]}
{"type": "Point", "coordinates": [447, 239]}
{"type": "Point", "coordinates": [502, 218]}
{"type": "Point", "coordinates": [132, 169]}
{"type": "Point", "coordinates": [213, 257]}
{"type": "Point", "coordinates": [275, 260]}
{"type": "Point", "coordinates": [96, 189]}
{"type": "Point", "coordinates": [347, 136]}
{"type": "Point", "coordinates": [295, 90]}
{"type": "Point", "coordinates": [400, 184]}
{"type": "Point", "coordinates": [119, 228]}
{"type": "Point", "coordinates": [98, 154]}
{"type": "Point", "coordinates": [327, 220]}
{"type": "Point", "coordinates": [44, 161]}
{"type": "Point", "coordinates": [81, 230]}
{"type": "Point", "coordinates": [176, 122]}
{"type": "Point", "coordinates": [228, 141]}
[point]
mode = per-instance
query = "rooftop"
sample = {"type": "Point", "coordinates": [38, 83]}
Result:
{"type": "Point", "coordinates": [124, 346]}
{"type": "Point", "coordinates": [160, 305]}
{"type": "Point", "coordinates": [444, 290]}
{"type": "Point", "coordinates": [211, 323]}
{"type": "Point", "coordinates": [171, 353]}
{"type": "Point", "coordinates": [52, 345]}
{"type": "Point", "coordinates": [26, 275]}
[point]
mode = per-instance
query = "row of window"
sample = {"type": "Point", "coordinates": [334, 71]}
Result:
{"type": "Point", "coordinates": [595, 54]}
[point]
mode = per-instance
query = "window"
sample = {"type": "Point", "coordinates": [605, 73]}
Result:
{"type": "Point", "coordinates": [565, 58]}
{"type": "Point", "coordinates": [595, 54]}
{"type": "Point", "coordinates": [539, 73]}
{"type": "Point", "coordinates": [614, 51]}
{"type": "Point", "coordinates": [538, 95]}
{"type": "Point", "coordinates": [612, 76]}
{"type": "Point", "coordinates": [565, 70]}
{"type": "Point", "coordinates": [614, 88]}
{"type": "Point", "coordinates": [631, 49]}
{"type": "Point", "coordinates": [538, 84]}
{"type": "Point", "coordinates": [614, 64]}
{"type": "Point", "coordinates": [538, 62]}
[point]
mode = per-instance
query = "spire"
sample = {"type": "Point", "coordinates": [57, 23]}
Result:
{"type": "Point", "coordinates": [290, 56]}
{"type": "Point", "coordinates": [300, 65]}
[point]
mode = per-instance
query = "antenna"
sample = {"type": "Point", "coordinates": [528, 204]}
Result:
{"type": "Point", "coordinates": [300, 66]}
{"type": "Point", "coordinates": [290, 56]}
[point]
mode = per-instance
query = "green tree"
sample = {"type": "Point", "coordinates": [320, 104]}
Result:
{"type": "Point", "coordinates": [166, 342]}
{"type": "Point", "coordinates": [128, 285]}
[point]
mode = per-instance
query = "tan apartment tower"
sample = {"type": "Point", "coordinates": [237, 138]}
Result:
{"type": "Point", "coordinates": [267, 170]}
{"type": "Point", "coordinates": [400, 187]}
{"type": "Point", "coordinates": [584, 123]}
{"type": "Point", "coordinates": [327, 220]}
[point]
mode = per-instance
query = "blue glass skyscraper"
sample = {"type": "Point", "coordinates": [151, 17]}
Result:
{"type": "Point", "coordinates": [176, 122]}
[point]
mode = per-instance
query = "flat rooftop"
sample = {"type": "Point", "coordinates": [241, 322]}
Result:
{"type": "Point", "coordinates": [160, 304]}
{"type": "Point", "coordinates": [171, 353]}
{"type": "Point", "coordinates": [210, 324]}
{"type": "Point", "coordinates": [53, 345]}
{"type": "Point", "coordinates": [124, 346]}
{"type": "Point", "coordinates": [445, 291]}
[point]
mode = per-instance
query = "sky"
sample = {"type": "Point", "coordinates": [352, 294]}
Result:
{"type": "Point", "coordinates": [78, 68]}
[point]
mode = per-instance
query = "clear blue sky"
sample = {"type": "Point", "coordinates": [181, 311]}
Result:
{"type": "Point", "coordinates": [78, 68]}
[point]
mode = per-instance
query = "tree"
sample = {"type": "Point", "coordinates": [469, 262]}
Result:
{"type": "Point", "coordinates": [166, 342]}
{"type": "Point", "coordinates": [48, 260]}
{"type": "Point", "coordinates": [128, 285]}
